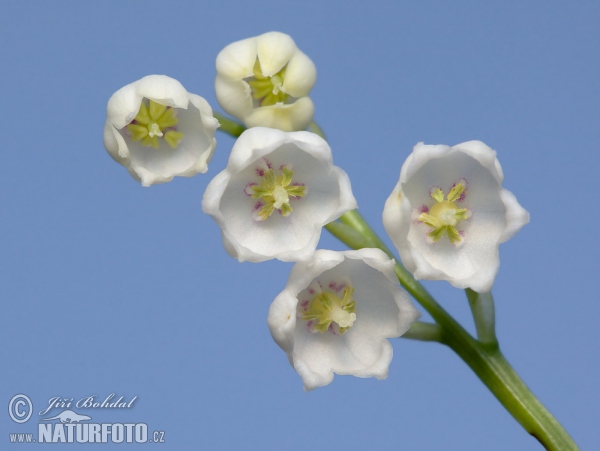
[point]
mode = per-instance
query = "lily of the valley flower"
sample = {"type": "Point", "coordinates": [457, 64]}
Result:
{"type": "Point", "coordinates": [448, 214]}
{"type": "Point", "coordinates": [275, 195]}
{"type": "Point", "coordinates": [157, 130]}
{"type": "Point", "coordinates": [336, 312]}
{"type": "Point", "coordinates": [265, 81]}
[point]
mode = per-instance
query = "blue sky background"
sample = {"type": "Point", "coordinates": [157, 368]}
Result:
{"type": "Point", "coordinates": [108, 287]}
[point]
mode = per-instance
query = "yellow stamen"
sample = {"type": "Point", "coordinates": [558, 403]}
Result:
{"type": "Point", "coordinates": [326, 308]}
{"type": "Point", "coordinates": [444, 215]}
{"type": "Point", "coordinates": [267, 90]}
{"type": "Point", "coordinates": [275, 191]}
{"type": "Point", "coordinates": [150, 124]}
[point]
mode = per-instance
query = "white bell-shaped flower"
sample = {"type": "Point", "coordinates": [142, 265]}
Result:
{"type": "Point", "coordinates": [336, 313]}
{"type": "Point", "coordinates": [265, 81]}
{"type": "Point", "coordinates": [277, 192]}
{"type": "Point", "coordinates": [157, 130]}
{"type": "Point", "coordinates": [448, 214]}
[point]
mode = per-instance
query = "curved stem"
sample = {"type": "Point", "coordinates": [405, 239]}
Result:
{"type": "Point", "coordinates": [229, 126]}
{"type": "Point", "coordinates": [315, 128]}
{"type": "Point", "coordinates": [482, 307]}
{"type": "Point", "coordinates": [348, 235]}
{"type": "Point", "coordinates": [424, 332]}
{"type": "Point", "coordinates": [485, 359]}
{"type": "Point", "coordinates": [500, 378]}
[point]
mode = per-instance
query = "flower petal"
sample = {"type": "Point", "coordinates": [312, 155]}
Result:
{"type": "Point", "coordinates": [124, 104]}
{"type": "Point", "coordinates": [286, 117]}
{"type": "Point", "coordinates": [274, 50]}
{"type": "Point", "coordinates": [484, 155]}
{"type": "Point", "coordinates": [234, 97]}
{"type": "Point", "coordinates": [516, 216]}
{"type": "Point", "coordinates": [236, 61]}
{"type": "Point", "coordinates": [300, 76]}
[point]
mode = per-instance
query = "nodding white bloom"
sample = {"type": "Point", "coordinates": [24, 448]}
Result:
{"type": "Point", "coordinates": [275, 194]}
{"type": "Point", "coordinates": [336, 312]}
{"type": "Point", "coordinates": [157, 130]}
{"type": "Point", "coordinates": [448, 214]}
{"type": "Point", "coordinates": [265, 81]}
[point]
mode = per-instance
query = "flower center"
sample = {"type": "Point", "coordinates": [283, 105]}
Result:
{"type": "Point", "coordinates": [327, 308]}
{"type": "Point", "coordinates": [275, 191]}
{"type": "Point", "coordinates": [445, 211]}
{"type": "Point", "coordinates": [267, 90]}
{"type": "Point", "coordinates": [154, 130]}
{"type": "Point", "coordinates": [444, 215]}
{"type": "Point", "coordinates": [281, 197]}
{"type": "Point", "coordinates": [154, 121]}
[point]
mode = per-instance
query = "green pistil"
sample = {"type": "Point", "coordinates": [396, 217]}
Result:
{"type": "Point", "coordinates": [444, 215]}
{"type": "Point", "coordinates": [267, 90]}
{"type": "Point", "coordinates": [275, 192]}
{"type": "Point", "coordinates": [151, 121]}
{"type": "Point", "coordinates": [326, 308]}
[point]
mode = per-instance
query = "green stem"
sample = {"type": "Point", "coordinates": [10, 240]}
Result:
{"type": "Point", "coordinates": [500, 378]}
{"type": "Point", "coordinates": [315, 128]}
{"type": "Point", "coordinates": [352, 237]}
{"type": "Point", "coordinates": [422, 331]}
{"type": "Point", "coordinates": [482, 307]}
{"type": "Point", "coordinates": [229, 126]}
{"type": "Point", "coordinates": [355, 220]}
{"type": "Point", "coordinates": [484, 358]}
